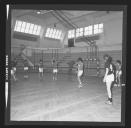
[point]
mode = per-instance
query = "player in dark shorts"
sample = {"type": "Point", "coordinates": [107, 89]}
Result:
{"type": "Point", "coordinates": [118, 73]}
{"type": "Point", "coordinates": [41, 68]}
{"type": "Point", "coordinates": [26, 69]}
{"type": "Point", "coordinates": [55, 69]}
{"type": "Point", "coordinates": [108, 77]}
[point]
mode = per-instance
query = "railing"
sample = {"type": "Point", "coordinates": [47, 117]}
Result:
{"type": "Point", "coordinates": [63, 55]}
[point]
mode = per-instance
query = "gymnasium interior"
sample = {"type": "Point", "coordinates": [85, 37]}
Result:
{"type": "Point", "coordinates": [64, 35]}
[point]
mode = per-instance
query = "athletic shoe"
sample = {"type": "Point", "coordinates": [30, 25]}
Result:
{"type": "Point", "coordinates": [108, 102]}
{"type": "Point", "coordinates": [80, 86]}
{"type": "Point", "coordinates": [115, 85]}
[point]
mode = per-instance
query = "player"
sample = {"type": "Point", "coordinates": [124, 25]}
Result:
{"type": "Point", "coordinates": [40, 69]}
{"type": "Point", "coordinates": [118, 73]}
{"type": "Point", "coordinates": [26, 69]}
{"type": "Point", "coordinates": [13, 69]}
{"type": "Point", "coordinates": [108, 77]}
{"type": "Point", "coordinates": [55, 69]}
{"type": "Point", "coordinates": [80, 67]}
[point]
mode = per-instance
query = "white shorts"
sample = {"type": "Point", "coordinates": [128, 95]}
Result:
{"type": "Point", "coordinates": [12, 71]}
{"type": "Point", "coordinates": [40, 69]}
{"type": "Point", "coordinates": [119, 73]}
{"type": "Point", "coordinates": [80, 72]}
{"type": "Point", "coordinates": [110, 78]}
{"type": "Point", "coordinates": [55, 70]}
{"type": "Point", "coordinates": [25, 68]}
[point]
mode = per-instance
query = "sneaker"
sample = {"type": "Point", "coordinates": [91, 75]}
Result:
{"type": "Point", "coordinates": [115, 85]}
{"type": "Point", "coordinates": [80, 86]}
{"type": "Point", "coordinates": [108, 102]}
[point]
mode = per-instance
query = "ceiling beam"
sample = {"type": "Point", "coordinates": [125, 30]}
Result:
{"type": "Point", "coordinates": [61, 20]}
{"type": "Point", "coordinates": [67, 18]}
{"type": "Point", "coordinates": [64, 20]}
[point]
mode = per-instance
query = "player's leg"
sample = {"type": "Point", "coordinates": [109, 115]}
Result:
{"type": "Point", "coordinates": [119, 78]}
{"type": "Point", "coordinates": [12, 74]}
{"type": "Point", "coordinates": [42, 73]}
{"type": "Point", "coordinates": [25, 72]}
{"type": "Point", "coordinates": [109, 80]}
{"type": "Point", "coordinates": [108, 84]}
{"type": "Point", "coordinates": [56, 74]}
{"type": "Point", "coordinates": [79, 79]}
{"type": "Point", "coordinates": [53, 74]}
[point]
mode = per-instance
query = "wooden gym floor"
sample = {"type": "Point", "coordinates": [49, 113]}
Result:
{"type": "Point", "coordinates": [62, 100]}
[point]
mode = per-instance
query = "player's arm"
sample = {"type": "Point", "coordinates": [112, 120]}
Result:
{"type": "Point", "coordinates": [105, 74]}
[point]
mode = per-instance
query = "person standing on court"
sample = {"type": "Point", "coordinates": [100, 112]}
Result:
{"type": "Point", "coordinates": [80, 67]}
{"type": "Point", "coordinates": [55, 69]}
{"type": "Point", "coordinates": [118, 73]}
{"type": "Point", "coordinates": [108, 77]}
{"type": "Point", "coordinates": [41, 68]}
{"type": "Point", "coordinates": [13, 69]}
{"type": "Point", "coordinates": [26, 69]}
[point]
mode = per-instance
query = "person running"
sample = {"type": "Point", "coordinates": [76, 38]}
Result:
{"type": "Point", "coordinates": [41, 68]}
{"type": "Point", "coordinates": [108, 77]}
{"type": "Point", "coordinates": [55, 69]}
{"type": "Point", "coordinates": [80, 71]}
{"type": "Point", "coordinates": [118, 73]}
{"type": "Point", "coordinates": [26, 69]}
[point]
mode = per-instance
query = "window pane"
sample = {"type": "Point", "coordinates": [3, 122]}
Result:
{"type": "Point", "coordinates": [96, 26]}
{"type": "Point", "coordinates": [27, 27]}
{"type": "Point", "coordinates": [85, 31]}
{"type": "Point", "coordinates": [51, 31]}
{"type": "Point", "coordinates": [96, 31]}
{"type": "Point", "coordinates": [34, 30]}
{"type": "Point", "coordinates": [53, 34]}
{"type": "Point", "coordinates": [81, 31]}
{"type": "Point", "coordinates": [48, 30]}
{"type": "Point", "coordinates": [57, 33]}
{"type": "Point", "coordinates": [23, 26]}
{"type": "Point", "coordinates": [38, 30]}
{"type": "Point", "coordinates": [77, 32]}
{"type": "Point", "coordinates": [69, 34]}
{"type": "Point", "coordinates": [31, 28]}
{"type": "Point", "coordinates": [100, 28]}
{"type": "Point", "coordinates": [22, 29]}
{"type": "Point", "coordinates": [73, 34]}
{"type": "Point", "coordinates": [90, 28]}
{"type": "Point", "coordinates": [19, 23]}
{"type": "Point", "coordinates": [15, 28]}
{"type": "Point", "coordinates": [18, 29]}
{"type": "Point", "coordinates": [100, 25]}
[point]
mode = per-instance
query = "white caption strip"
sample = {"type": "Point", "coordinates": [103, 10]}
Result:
{"type": "Point", "coordinates": [6, 92]}
{"type": "Point", "coordinates": [7, 10]}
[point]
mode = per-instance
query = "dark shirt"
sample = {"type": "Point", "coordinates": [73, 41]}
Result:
{"type": "Point", "coordinates": [26, 64]}
{"type": "Point", "coordinates": [40, 65]}
{"type": "Point", "coordinates": [110, 67]}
